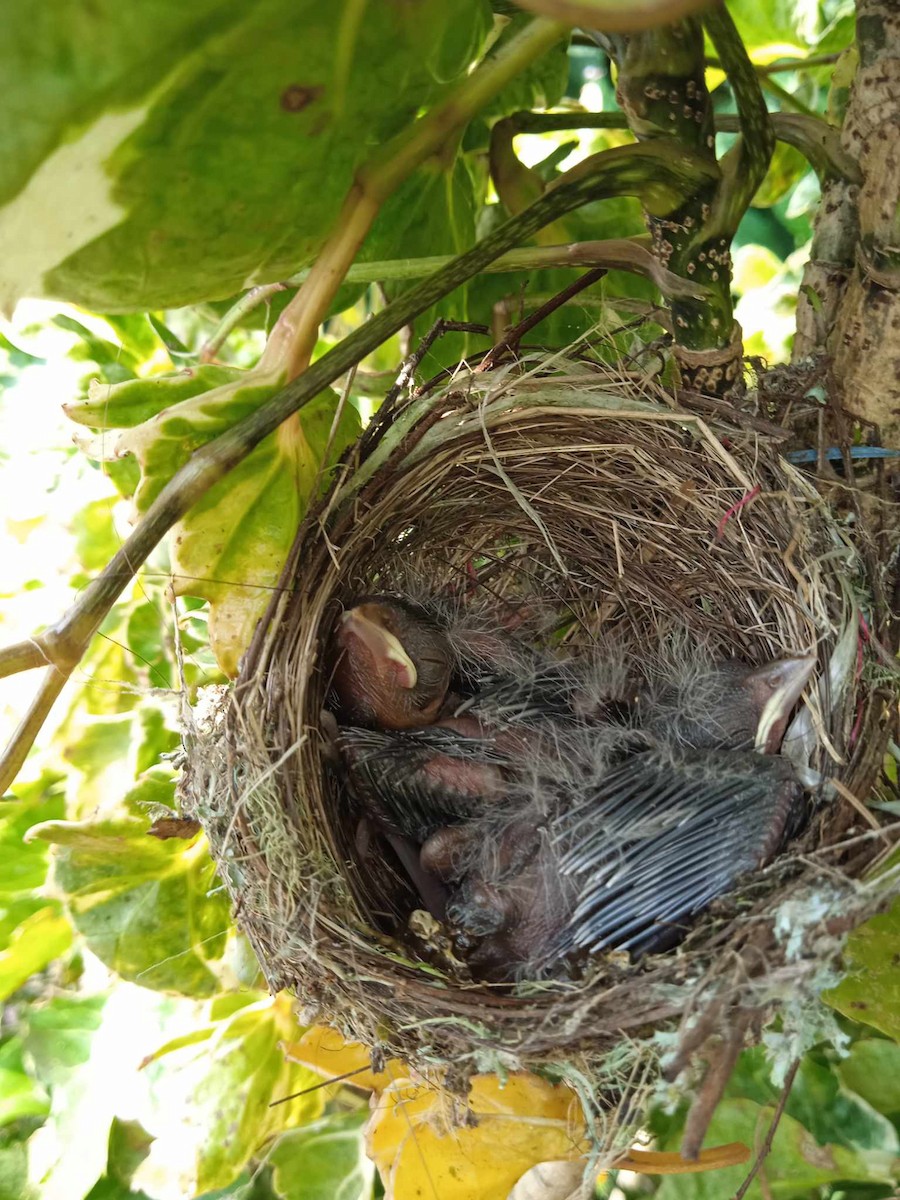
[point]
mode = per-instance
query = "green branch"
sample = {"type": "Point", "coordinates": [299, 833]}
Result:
{"type": "Point", "coordinates": [624, 254]}
{"type": "Point", "coordinates": [293, 339]}
{"type": "Point", "coordinates": [744, 167]}
{"type": "Point", "coordinates": [787, 98]}
{"type": "Point", "coordinates": [783, 65]}
{"type": "Point", "coordinates": [817, 141]}
{"type": "Point", "coordinates": [63, 644]}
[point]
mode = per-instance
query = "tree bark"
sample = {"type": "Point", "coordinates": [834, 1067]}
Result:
{"type": "Point", "coordinates": [850, 299]}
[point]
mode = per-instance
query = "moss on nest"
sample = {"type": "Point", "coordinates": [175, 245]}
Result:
{"type": "Point", "coordinates": [627, 514]}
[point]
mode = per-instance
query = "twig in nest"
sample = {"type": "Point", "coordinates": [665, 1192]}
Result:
{"type": "Point", "coordinates": [714, 1082]}
{"type": "Point", "coordinates": [766, 1148]}
{"type": "Point", "coordinates": [515, 335]}
{"type": "Point", "coordinates": [692, 1039]}
{"type": "Point", "coordinates": [438, 329]}
{"type": "Point", "coordinates": [844, 792]}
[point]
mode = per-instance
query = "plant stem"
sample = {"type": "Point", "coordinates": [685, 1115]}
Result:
{"type": "Point", "coordinates": [626, 254]}
{"type": "Point", "coordinates": [21, 657]}
{"type": "Point", "coordinates": [620, 171]}
{"type": "Point", "coordinates": [51, 685]}
{"type": "Point", "coordinates": [744, 166]}
{"type": "Point", "coordinates": [817, 141]}
{"type": "Point", "coordinates": [788, 99]}
{"type": "Point", "coordinates": [786, 64]}
{"type": "Point", "coordinates": [663, 91]}
{"type": "Point", "coordinates": [294, 336]}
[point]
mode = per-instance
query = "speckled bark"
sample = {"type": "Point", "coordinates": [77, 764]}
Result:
{"type": "Point", "coordinates": [663, 92]}
{"type": "Point", "coordinates": [851, 297]}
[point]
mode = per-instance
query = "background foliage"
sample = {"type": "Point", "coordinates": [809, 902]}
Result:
{"type": "Point", "coordinates": [138, 1055]}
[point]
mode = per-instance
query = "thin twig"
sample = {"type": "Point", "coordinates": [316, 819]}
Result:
{"type": "Point", "coordinates": [247, 303]}
{"type": "Point", "coordinates": [515, 335]}
{"type": "Point", "coordinates": [316, 1086]}
{"type": "Point", "coordinates": [816, 140]}
{"type": "Point", "coordinates": [713, 1086]}
{"type": "Point", "coordinates": [30, 726]}
{"type": "Point", "coordinates": [844, 792]}
{"type": "Point", "coordinates": [787, 98]}
{"type": "Point", "coordinates": [766, 1147]}
{"type": "Point", "coordinates": [438, 329]}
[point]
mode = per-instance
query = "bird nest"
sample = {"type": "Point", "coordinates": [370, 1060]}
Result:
{"type": "Point", "coordinates": [560, 482]}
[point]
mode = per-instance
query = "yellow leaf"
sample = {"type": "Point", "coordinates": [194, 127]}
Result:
{"type": "Point", "coordinates": [670, 1162]}
{"type": "Point", "coordinates": [324, 1051]}
{"type": "Point", "coordinates": [421, 1148]}
{"type": "Point", "coordinates": [772, 51]}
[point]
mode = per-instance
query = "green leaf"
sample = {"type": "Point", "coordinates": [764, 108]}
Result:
{"type": "Point", "coordinates": [231, 546]}
{"type": "Point", "coordinates": [156, 739]}
{"type": "Point", "coordinates": [17, 357]}
{"type": "Point", "coordinates": [235, 1072]}
{"type": "Point", "coordinates": [793, 25]}
{"type": "Point", "coordinates": [870, 991]}
{"type": "Point", "coordinates": [96, 540]}
{"type": "Point", "coordinates": [249, 1185]}
{"type": "Point", "coordinates": [194, 1038]}
{"type": "Point", "coordinates": [20, 1096]}
{"type": "Point", "coordinates": [137, 333]}
{"type": "Point", "coordinates": [97, 743]}
{"type": "Point", "coordinates": [139, 400]}
{"type": "Point", "coordinates": [325, 1161]}
{"type": "Point", "coordinates": [111, 1189]}
{"type": "Point", "coordinates": [129, 1145]}
{"type": "Point", "coordinates": [61, 1039]}
{"type": "Point", "coordinates": [150, 637]}
{"type": "Point", "coordinates": [23, 866]}
{"type": "Point", "coordinates": [541, 85]}
{"type": "Point", "coordinates": [14, 1183]}
{"type": "Point", "coordinates": [43, 936]}
{"type": "Point", "coordinates": [835, 1115]}
{"type": "Point", "coordinates": [786, 168]}
{"type": "Point", "coordinates": [872, 1070]}
{"type": "Point", "coordinates": [151, 910]}
{"type": "Point", "coordinates": [796, 1165]}
{"type": "Point", "coordinates": [211, 151]}
{"type": "Point", "coordinates": [60, 1033]}
{"type": "Point", "coordinates": [114, 362]}
{"type": "Point", "coordinates": [246, 1072]}
{"type": "Point", "coordinates": [819, 1100]}
{"type": "Point", "coordinates": [155, 787]}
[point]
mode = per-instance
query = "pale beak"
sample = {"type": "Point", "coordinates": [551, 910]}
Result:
{"type": "Point", "coordinates": [786, 678]}
{"type": "Point", "coordinates": [383, 645]}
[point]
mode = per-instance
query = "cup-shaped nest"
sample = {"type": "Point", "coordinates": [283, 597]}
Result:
{"type": "Point", "coordinates": [560, 486]}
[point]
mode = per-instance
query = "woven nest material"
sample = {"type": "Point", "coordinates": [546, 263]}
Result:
{"type": "Point", "coordinates": [561, 480]}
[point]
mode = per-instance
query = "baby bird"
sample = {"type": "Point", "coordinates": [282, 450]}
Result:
{"type": "Point", "coordinates": [392, 664]}
{"type": "Point", "coordinates": [642, 826]}
{"type": "Point", "coordinates": [552, 809]}
{"type": "Point", "coordinates": [660, 835]}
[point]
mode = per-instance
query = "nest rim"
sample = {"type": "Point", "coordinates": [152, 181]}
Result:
{"type": "Point", "coordinates": [319, 943]}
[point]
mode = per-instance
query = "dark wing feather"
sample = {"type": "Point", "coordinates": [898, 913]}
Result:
{"type": "Point", "coordinates": [418, 781]}
{"type": "Point", "coordinates": [661, 837]}
{"type": "Point", "coordinates": [540, 690]}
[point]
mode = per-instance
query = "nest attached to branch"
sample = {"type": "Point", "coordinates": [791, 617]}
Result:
{"type": "Point", "coordinates": [561, 480]}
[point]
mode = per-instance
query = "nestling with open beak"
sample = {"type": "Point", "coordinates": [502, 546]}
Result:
{"type": "Point", "coordinates": [392, 664]}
